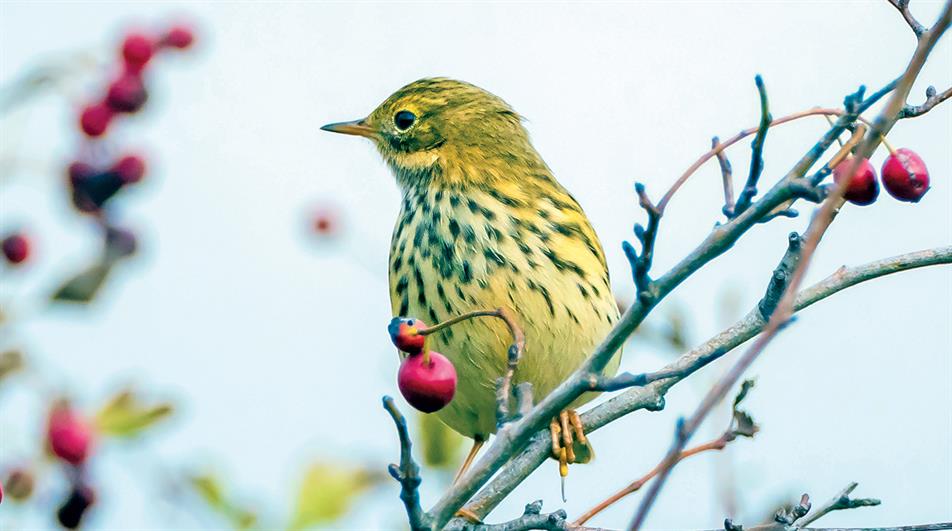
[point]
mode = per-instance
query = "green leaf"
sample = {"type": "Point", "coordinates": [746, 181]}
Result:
{"type": "Point", "coordinates": [210, 489]}
{"type": "Point", "coordinates": [83, 287]}
{"type": "Point", "coordinates": [327, 492]}
{"type": "Point", "coordinates": [126, 416]}
{"type": "Point", "coordinates": [11, 361]}
{"type": "Point", "coordinates": [440, 445]}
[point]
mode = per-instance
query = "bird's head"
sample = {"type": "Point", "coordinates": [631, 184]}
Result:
{"type": "Point", "coordinates": [438, 128]}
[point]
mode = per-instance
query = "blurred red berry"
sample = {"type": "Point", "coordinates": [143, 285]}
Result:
{"type": "Point", "coordinates": [1, 492]}
{"type": "Point", "coordinates": [16, 248]}
{"type": "Point", "coordinates": [127, 93]}
{"type": "Point", "coordinates": [178, 37]}
{"type": "Point", "coordinates": [137, 50]}
{"type": "Point", "coordinates": [405, 334]}
{"type": "Point", "coordinates": [905, 176]}
{"type": "Point", "coordinates": [863, 188]}
{"type": "Point", "coordinates": [130, 169]}
{"type": "Point", "coordinates": [70, 513]}
{"type": "Point", "coordinates": [326, 221]}
{"type": "Point", "coordinates": [428, 385]}
{"type": "Point", "coordinates": [80, 171]}
{"type": "Point", "coordinates": [95, 119]}
{"type": "Point", "coordinates": [68, 435]}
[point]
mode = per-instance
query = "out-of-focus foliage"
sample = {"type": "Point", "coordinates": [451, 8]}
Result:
{"type": "Point", "coordinates": [438, 443]}
{"type": "Point", "coordinates": [125, 415]}
{"type": "Point", "coordinates": [10, 362]}
{"type": "Point", "coordinates": [83, 287]}
{"type": "Point", "coordinates": [327, 492]}
{"type": "Point", "coordinates": [209, 488]}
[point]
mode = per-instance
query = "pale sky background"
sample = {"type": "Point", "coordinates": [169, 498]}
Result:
{"type": "Point", "coordinates": [276, 347]}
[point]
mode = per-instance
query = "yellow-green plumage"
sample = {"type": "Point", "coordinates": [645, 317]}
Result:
{"type": "Point", "coordinates": [484, 224]}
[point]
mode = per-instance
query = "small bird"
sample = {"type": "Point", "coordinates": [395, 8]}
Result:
{"type": "Point", "coordinates": [484, 225]}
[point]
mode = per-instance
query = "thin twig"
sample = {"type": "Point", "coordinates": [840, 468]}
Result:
{"type": "Point", "coordinates": [740, 425]}
{"type": "Point", "coordinates": [641, 262]}
{"type": "Point", "coordinates": [903, 7]}
{"type": "Point", "coordinates": [726, 176]}
{"type": "Point", "coordinates": [932, 99]}
{"type": "Point", "coordinates": [757, 151]}
{"type": "Point", "coordinates": [818, 226]}
{"type": "Point", "coordinates": [838, 503]}
{"type": "Point", "coordinates": [408, 472]}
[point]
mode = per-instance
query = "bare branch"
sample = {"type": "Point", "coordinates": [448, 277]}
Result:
{"type": "Point", "coordinates": [818, 226]}
{"type": "Point", "coordinates": [651, 397]}
{"type": "Point", "coordinates": [641, 262]}
{"type": "Point", "coordinates": [757, 151]}
{"type": "Point", "coordinates": [839, 502]}
{"type": "Point", "coordinates": [408, 472]}
{"type": "Point", "coordinates": [726, 177]}
{"type": "Point", "coordinates": [932, 99]}
{"type": "Point", "coordinates": [903, 7]}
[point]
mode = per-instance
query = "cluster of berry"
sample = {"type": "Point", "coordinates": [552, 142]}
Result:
{"type": "Point", "coordinates": [904, 176]}
{"type": "Point", "coordinates": [427, 379]}
{"type": "Point", "coordinates": [92, 183]}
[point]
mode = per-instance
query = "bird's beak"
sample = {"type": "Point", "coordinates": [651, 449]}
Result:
{"type": "Point", "coordinates": [356, 127]}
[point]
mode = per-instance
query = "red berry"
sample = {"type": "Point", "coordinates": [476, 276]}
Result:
{"type": "Point", "coordinates": [137, 50]}
{"type": "Point", "coordinates": [68, 435]}
{"type": "Point", "coordinates": [905, 176]}
{"type": "Point", "coordinates": [863, 188]}
{"type": "Point", "coordinates": [130, 169]}
{"type": "Point", "coordinates": [126, 94]}
{"type": "Point", "coordinates": [428, 385]}
{"type": "Point", "coordinates": [79, 172]}
{"type": "Point", "coordinates": [16, 248]}
{"type": "Point", "coordinates": [405, 334]}
{"type": "Point", "coordinates": [95, 119]}
{"type": "Point", "coordinates": [178, 37]}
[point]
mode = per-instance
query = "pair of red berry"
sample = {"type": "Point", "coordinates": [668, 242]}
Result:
{"type": "Point", "coordinates": [127, 93]}
{"type": "Point", "coordinates": [904, 176]}
{"type": "Point", "coordinates": [427, 379]}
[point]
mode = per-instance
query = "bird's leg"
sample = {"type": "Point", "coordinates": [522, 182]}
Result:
{"type": "Point", "coordinates": [477, 444]}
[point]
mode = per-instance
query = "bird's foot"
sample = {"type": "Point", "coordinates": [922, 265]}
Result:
{"type": "Point", "coordinates": [569, 444]}
{"type": "Point", "coordinates": [468, 515]}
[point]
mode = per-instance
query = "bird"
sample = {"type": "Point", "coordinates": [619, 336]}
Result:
{"type": "Point", "coordinates": [484, 224]}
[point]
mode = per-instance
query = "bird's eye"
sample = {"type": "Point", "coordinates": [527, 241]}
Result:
{"type": "Point", "coordinates": [404, 119]}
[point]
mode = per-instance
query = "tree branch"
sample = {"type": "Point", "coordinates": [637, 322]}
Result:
{"type": "Point", "coordinates": [903, 7]}
{"type": "Point", "coordinates": [839, 502]}
{"type": "Point", "coordinates": [757, 151]}
{"type": "Point", "coordinates": [408, 472]}
{"type": "Point", "coordinates": [651, 397]}
{"type": "Point", "coordinates": [641, 262]}
{"type": "Point", "coordinates": [726, 176]}
{"type": "Point", "coordinates": [932, 99]}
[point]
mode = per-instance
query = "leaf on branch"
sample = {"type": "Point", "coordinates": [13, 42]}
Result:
{"type": "Point", "coordinates": [327, 492]}
{"type": "Point", "coordinates": [83, 287]}
{"type": "Point", "coordinates": [438, 443]}
{"type": "Point", "coordinates": [124, 415]}
{"type": "Point", "coordinates": [743, 424]}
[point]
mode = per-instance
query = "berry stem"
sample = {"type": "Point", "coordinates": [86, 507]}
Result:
{"type": "Point", "coordinates": [889, 146]}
